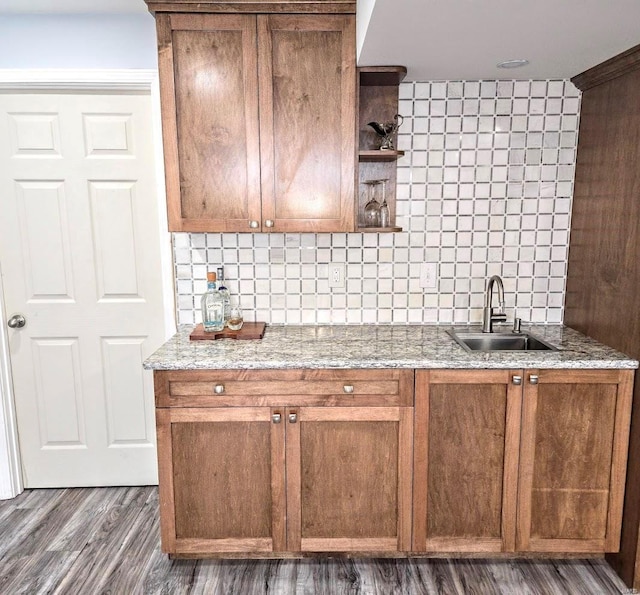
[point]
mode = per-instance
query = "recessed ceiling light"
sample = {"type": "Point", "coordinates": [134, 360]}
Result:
{"type": "Point", "coordinates": [513, 63]}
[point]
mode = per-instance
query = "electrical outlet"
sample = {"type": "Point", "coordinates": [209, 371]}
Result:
{"type": "Point", "coordinates": [336, 274]}
{"type": "Point", "coordinates": [428, 275]}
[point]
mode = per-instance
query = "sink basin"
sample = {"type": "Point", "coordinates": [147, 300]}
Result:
{"type": "Point", "coordinates": [478, 341]}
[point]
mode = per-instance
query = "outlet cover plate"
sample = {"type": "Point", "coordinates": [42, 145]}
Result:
{"type": "Point", "coordinates": [336, 274]}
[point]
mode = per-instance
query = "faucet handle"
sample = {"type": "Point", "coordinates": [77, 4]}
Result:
{"type": "Point", "coordinates": [498, 316]}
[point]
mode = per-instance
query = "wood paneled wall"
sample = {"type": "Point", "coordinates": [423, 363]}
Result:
{"type": "Point", "coordinates": [603, 280]}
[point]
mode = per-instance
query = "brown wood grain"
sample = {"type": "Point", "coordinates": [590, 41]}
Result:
{"type": "Point", "coordinates": [466, 460]}
{"type": "Point", "coordinates": [253, 6]}
{"type": "Point", "coordinates": [353, 480]}
{"type": "Point", "coordinates": [249, 330]}
{"type": "Point", "coordinates": [195, 388]}
{"type": "Point", "coordinates": [169, 124]}
{"type": "Point", "coordinates": [619, 460]}
{"type": "Point", "coordinates": [307, 116]}
{"type": "Point", "coordinates": [165, 481]}
{"type": "Point", "coordinates": [278, 483]}
{"type": "Point", "coordinates": [567, 469]}
{"type": "Point", "coordinates": [216, 112]}
{"type": "Point", "coordinates": [377, 103]}
{"type": "Point", "coordinates": [222, 477]}
{"type": "Point", "coordinates": [460, 460]}
{"type": "Point", "coordinates": [609, 70]}
{"type": "Point", "coordinates": [604, 269]}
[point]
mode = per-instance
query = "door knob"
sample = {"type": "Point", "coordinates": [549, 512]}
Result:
{"type": "Point", "coordinates": [17, 321]}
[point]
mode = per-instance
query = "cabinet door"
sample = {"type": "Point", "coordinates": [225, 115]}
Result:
{"type": "Point", "coordinates": [575, 431]}
{"type": "Point", "coordinates": [221, 480]}
{"type": "Point", "coordinates": [349, 479]}
{"type": "Point", "coordinates": [307, 121]}
{"type": "Point", "coordinates": [209, 94]}
{"type": "Point", "coordinates": [465, 460]}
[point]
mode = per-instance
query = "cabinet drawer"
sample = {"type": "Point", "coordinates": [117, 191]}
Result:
{"type": "Point", "coordinates": [224, 388]}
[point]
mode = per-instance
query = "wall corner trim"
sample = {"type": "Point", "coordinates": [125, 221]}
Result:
{"type": "Point", "coordinates": [623, 63]}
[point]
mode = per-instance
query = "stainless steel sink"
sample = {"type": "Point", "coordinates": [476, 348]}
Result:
{"type": "Point", "coordinates": [479, 341]}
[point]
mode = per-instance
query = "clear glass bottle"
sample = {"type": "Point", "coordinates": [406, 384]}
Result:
{"type": "Point", "coordinates": [212, 306]}
{"type": "Point", "coordinates": [224, 292]}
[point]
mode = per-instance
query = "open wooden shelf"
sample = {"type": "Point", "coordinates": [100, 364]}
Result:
{"type": "Point", "coordinates": [379, 229]}
{"type": "Point", "coordinates": [378, 155]}
{"type": "Point", "coordinates": [378, 102]}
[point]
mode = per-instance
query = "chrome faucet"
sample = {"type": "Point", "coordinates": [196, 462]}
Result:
{"type": "Point", "coordinates": [488, 315]}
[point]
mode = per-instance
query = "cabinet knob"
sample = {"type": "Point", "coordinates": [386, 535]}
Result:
{"type": "Point", "coordinates": [269, 223]}
{"type": "Point", "coordinates": [218, 389]}
{"type": "Point", "coordinates": [254, 224]}
{"type": "Point", "coordinates": [348, 388]}
{"type": "Point", "coordinates": [276, 418]}
{"type": "Point", "coordinates": [516, 379]}
{"type": "Point", "coordinates": [533, 379]}
{"type": "Point", "coordinates": [293, 418]}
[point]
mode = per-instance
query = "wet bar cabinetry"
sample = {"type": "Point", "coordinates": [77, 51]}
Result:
{"type": "Point", "coordinates": [258, 108]}
{"type": "Point", "coordinates": [378, 102]}
{"type": "Point", "coordinates": [603, 272]}
{"type": "Point", "coordinates": [261, 461]}
{"type": "Point", "coordinates": [520, 460]}
{"type": "Point", "coordinates": [391, 461]}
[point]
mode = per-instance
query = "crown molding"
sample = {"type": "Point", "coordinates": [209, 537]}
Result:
{"type": "Point", "coordinates": [76, 79]}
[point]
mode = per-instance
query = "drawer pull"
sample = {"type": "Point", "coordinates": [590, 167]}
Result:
{"type": "Point", "coordinates": [348, 388]}
{"type": "Point", "coordinates": [533, 379]}
{"type": "Point", "coordinates": [218, 389]}
{"type": "Point", "coordinates": [293, 418]}
{"type": "Point", "coordinates": [516, 380]}
{"type": "Point", "coordinates": [276, 418]}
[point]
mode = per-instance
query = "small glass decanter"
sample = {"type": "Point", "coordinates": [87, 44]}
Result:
{"type": "Point", "coordinates": [372, 208]}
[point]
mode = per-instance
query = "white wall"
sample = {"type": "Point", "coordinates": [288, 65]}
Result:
{"type": "Point", "coordinates": [78, 41]}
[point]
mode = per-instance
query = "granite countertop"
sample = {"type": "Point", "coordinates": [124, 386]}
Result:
{"type": "Point", "coordinates": [378, 346]}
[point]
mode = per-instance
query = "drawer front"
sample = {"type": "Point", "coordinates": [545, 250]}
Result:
{"type": "Point", "coordinates": [224, 388]}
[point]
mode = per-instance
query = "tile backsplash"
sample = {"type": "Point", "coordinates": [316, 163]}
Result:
{"type": "Point", "coordinates": [484, 188]}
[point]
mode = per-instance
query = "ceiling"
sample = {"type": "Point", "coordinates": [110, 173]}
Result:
{"type": "Point", "coordinates": [458, 39]}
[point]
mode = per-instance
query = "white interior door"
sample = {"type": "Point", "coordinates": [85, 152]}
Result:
{"type": "Point", "coordinates": [80, 255]}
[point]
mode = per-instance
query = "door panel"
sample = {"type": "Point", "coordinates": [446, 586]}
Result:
{"type": "Point", "coordinates": [574, 445]}
{"type": "Point", "coordinates": [222, 476]}
{"type": "Point", "coordinates": [307, 121]}
{"type": "Point", "coordinates": [467, 426]}
{"type": "Point", "coordinates": [208, 76]}
{"type": "Point", "coordinates": [80, 250]}
{"type": "Point", "coordinates": [348, 479]}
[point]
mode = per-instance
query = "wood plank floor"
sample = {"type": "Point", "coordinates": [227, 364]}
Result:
{"type": "Point", "coordinates": [106, 540]}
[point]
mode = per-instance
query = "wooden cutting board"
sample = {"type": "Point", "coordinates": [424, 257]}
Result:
{"type": "Point", "coordinates": [249, 330]}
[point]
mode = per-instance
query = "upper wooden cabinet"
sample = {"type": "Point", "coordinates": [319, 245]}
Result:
{"type": "Point", "coordinates": [258, 121]}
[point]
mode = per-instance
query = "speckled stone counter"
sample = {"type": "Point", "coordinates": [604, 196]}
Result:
{"type": "Point", "coordinates": [378, 346]}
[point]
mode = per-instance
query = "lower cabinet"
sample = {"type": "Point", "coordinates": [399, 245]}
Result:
{"type": "Point", "coordinates": [573, 459]}
{"type": "Point", "coordinates": [261, 462]}
{"type": "Point", "coordinates": [276, 478]}
{"type": "Point", "coordinates": [520, 460]}
{"type": "Point", "coordinates": [467, 437]}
